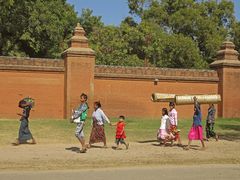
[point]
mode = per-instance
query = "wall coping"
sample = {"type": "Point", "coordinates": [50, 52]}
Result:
{"type": "Point", "coordinates": [110, 72]}
{"type": "Point", "coordinates": [151, 73]}
{"type": "Point", "coordinates": [31, 64]}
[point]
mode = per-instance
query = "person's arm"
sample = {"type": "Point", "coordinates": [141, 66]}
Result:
{"type": "Point", "coordinates": [122, 130]}
{"type": "Point", "coordinates": [196, 104]}
{"type": "Point", "coordinates": [113, 124]}
{"type": "Point", "coordinates": [105, 117]}
{"type": "Point", "coordinates": [79, 111]}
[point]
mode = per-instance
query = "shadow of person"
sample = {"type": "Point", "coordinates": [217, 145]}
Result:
{"type": "Point", "coordinates": [73, 149]}
{"type": "Point", "coordinates": [148, 141]}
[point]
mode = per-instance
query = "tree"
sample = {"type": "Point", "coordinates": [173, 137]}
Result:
{"type": "Point", "coordinates": [207, 23]}
{"type": "Point", "coordinates": [90, 22]}
{"type": "Point", "coordinates": [111, 48]}
{"type": "Point", "coordinates": [236, 35]}
{"type": "Point", "coordinates": [35, 28]}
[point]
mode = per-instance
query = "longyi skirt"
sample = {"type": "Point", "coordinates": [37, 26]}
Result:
{"type": "Point", "coordinates": [195, 133]}
{"type": "Point", "coordinates": [97, 134]}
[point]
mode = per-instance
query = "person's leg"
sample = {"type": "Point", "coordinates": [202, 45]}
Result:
{"type": "Point", "coordinates": [80, 136]}
{"type": "Point", "coordinates": [213, 132]}
{"type": "Point", "coordinates": [117, 143]}
{"type": "Point", "coordinates": [179, 140]}
{"type": "Point", "coordinates": [189, 144]}
{"type": "Point", "coordinates": [203, 145]}
{"type": "Point", "coordinates": [207, 131]}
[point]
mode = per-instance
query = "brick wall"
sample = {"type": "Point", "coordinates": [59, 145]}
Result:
{"type": "Point", "coordinates": [128, 90]}
{"type": "Point", "coordinates": [42, 79]}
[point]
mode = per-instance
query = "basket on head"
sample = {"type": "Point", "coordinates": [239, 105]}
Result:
{"type": "Point", "coordinates": [27, 101]}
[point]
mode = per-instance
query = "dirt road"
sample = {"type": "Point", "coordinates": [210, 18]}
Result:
{"type": "Point", "coordinates": [207, 172]}
{"type": "Point", "coordinates": [148, 153]}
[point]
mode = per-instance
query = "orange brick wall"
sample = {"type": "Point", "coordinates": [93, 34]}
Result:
{"type": "Point", "coordinates": [47, 88]}
{"type": "Point", "coordinates": [230, 90]}
{"type": "Point", "coordinates": [132, 97]}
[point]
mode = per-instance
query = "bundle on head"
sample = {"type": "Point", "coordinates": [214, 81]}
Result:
{"type": "Point", "coordinates": [26, 102]}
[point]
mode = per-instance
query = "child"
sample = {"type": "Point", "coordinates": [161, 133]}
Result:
{"type": "Point", "coordinates": [210, 123]}
{"type": "Point", "coordinates": [25, 134]}
{"type": "Point", "coordinates": [79, 117]}
{"type": "Point", "coordinates": [164, 133]}
{"type": "Point", "coordinates": [120, 132]}
{"type": "Point", "coordinates": [174, 122]}
{"type": "Point", "coordinates": [196, 131]}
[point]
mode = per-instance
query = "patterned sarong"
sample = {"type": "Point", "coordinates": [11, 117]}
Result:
{"type": "Point", "coordinates": [97, 133]}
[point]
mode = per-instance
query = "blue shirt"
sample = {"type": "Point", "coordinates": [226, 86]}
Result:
{"type": "Point", "coordinates": [197, 117]}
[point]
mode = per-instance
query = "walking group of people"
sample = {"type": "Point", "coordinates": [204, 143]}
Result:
{"type": "Point", "coordinates": [99, 118]}
{"type": "Point", "coordinates": [168, 131]}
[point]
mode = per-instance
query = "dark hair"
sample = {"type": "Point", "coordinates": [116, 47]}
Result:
{"type": "Point", "coordinates": [98, 104]}
{"type": "Point", "coordinates": [84, 96]}
{"type": "Point", "coordinates": [122, 117]}
{"type": "Point", "coordinates": [172, 104]}
{"type": "Point", "coordinates": [165, 111]}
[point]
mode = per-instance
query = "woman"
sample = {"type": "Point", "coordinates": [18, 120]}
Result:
{"type": "Point", "coordinates": [164, 134]}
{"type": "Point", "coordinates": [196, 131]}
{"type": "Point", "coordinates": [25, 134]}
{"type": "Point", "coordinates": [210, 123]}
{"type": "Point", "coordinates": [99, 119]}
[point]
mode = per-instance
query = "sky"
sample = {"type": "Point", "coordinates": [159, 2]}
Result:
{"type": "Point", "coordinates": [114, 11]}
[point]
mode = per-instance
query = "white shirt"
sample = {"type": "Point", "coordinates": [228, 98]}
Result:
{"type": "Point", "coordinates": [100, 116]}
{"type": "Point", "coordinates": [164, 122]}
{"type": "Point", "coordinates": [173, 117]}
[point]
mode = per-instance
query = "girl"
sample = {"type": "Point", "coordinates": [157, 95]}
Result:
{"type": "Point", "coordinates": [25, 134]}
{"type": "Point", "coordinates": [120, 132]}
{"type": "Point", "coordinates": [210, 123]}
{"type": "Point", "coordinates": [174, 122]}
{"type": "Point", "coordinates": [99, 119]}
{"type": "Point", "coordinates": [196, 131]}
{"type": "Point", "coordinates": [164, 134]}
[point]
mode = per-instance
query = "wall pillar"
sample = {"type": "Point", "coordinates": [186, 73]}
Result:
{"type": "Point", "coordinates": [227, 65]}
{"type": "Point", "coordinates": [79, 62]}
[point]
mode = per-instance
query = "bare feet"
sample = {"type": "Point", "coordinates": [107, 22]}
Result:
{"type": "Point", "coordinates": [127, 145]}
{"type": "Point", "coordinates": [84, 150]}
{"type": "Point", "coordinates": [186, 148]}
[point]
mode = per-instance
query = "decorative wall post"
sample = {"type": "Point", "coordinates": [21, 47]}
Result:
{"type": "Point", "coordinates": [79, 70]}
{"type": "Point", "coordinates": [227, 65]}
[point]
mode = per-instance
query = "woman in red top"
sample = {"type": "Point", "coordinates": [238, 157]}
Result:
{"type": "Point", "coordinates": [120, 133]}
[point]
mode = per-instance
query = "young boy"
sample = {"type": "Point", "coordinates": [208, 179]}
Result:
{"type": "Point", "coordinates": [79, 117]}
{"type": "Point", "coordinates": [120, 132]}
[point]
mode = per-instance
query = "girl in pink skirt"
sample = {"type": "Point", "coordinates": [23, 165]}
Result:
{"type": "Point", "coordinates": [196, 131]}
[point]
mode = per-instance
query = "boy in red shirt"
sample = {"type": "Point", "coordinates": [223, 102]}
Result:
{"type": "Point", "coordinates": [120, 132]}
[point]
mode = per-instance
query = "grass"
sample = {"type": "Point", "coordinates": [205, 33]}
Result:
{"type": "Point", "coordinates": [137, 129]}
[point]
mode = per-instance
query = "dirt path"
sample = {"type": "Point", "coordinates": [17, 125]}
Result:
{"type": "Point", "coordinates": [207, 172]}
{"type": "Point", "coordinates": [65, 156]}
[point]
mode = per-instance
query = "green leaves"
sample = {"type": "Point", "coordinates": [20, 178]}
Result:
{"type": "Point", "coordinates": [171, 33]}
{"type": "Point", "coordinates": [36, 28]}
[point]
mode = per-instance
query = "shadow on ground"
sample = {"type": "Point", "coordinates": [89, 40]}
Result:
{"type": "Point", "coordinates": [73, 149]}
{"type": "Point", "coordinates": [230, 136]}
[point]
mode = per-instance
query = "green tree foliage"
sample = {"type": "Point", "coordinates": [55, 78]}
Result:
{"type": "Point", "coordinates": [35, 28]}
{"type": "Point", "coordinates": [170, 33]}
{"type": "Point", "coordinates": [90, 22]}
{"type": "Point", "coordinates": [236, 35]}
